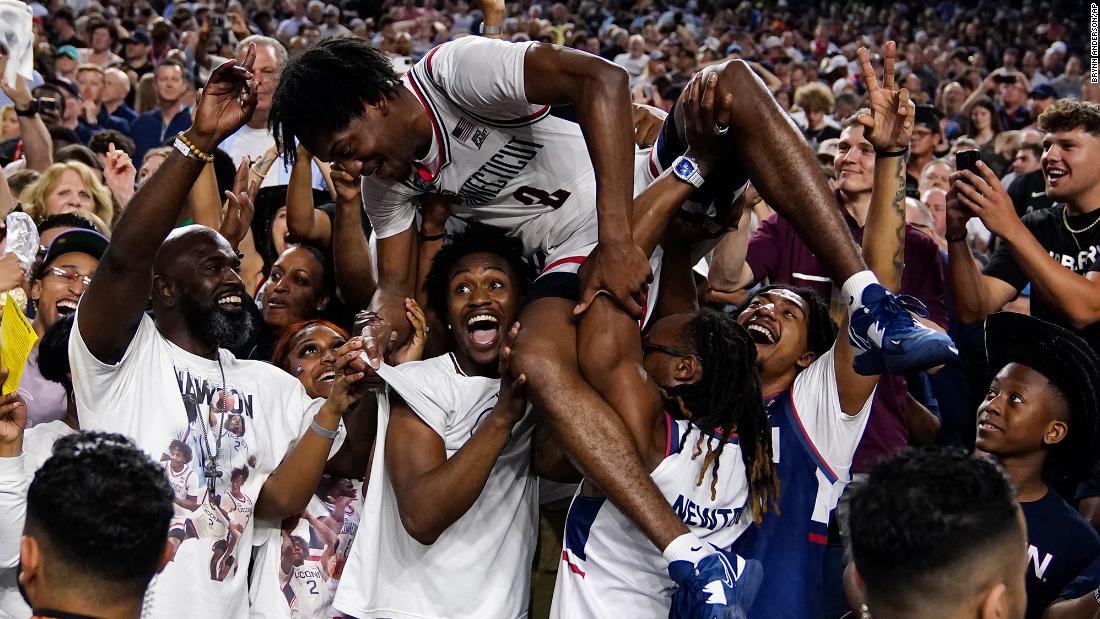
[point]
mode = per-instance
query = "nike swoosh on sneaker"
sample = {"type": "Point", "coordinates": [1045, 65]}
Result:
{"type": "Point", "coordinates": [716, 593]}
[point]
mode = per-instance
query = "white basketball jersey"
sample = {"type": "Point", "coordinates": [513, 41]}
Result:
{"type": "Point", "coordinates": [610, 569]}
{"type": "Point", "coordinates": [307, 582]}
{"type": "Point", "coordinates": [184, 484]}
{"type": "Point", "coordinates": [507, 163]}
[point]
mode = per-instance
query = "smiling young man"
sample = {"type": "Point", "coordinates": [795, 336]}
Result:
{"type": "Point", "coordinates": [1053, 249]}
{"type": "Point", "coordinates": [168, 379]}
{"type": "Point", "coordinates": [1039, 420]}
{"type": "Point", "coordinates": [451, 481]}
{"type": "Point", "coordinates": [818, 404]}
{"type": "Point", "coordinates": [472, 121]}
{"type": "Point", "coordinates": [778, 253]}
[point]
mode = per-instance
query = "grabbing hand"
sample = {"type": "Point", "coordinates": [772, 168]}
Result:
{"type": "Point", "coordinates": [619, 269]}
{"type": "Point", "coordinates": [512, 401]}
{"type": "Point", "coordinates": [648, 121]}
{"type": "Point", "coordinates": [346, 185]}
{"type": "Point", "coordinates": [226, 103]}
{"type": "Point", "coordinates": [889, 126]}
{"type": "Point", "coordinates": [706, 119]}
{"type": "Point", "coordinates": [351, 374]}
{"type": "Point", "coordinates": [119, 174]}
{"type": "Point", "coordinates": [413, 349]}
{"type": "Point", "coordinates": [13, 421]}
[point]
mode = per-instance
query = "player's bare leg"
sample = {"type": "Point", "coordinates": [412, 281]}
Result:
{"type": "Point", "coordinates": [586, 428]}
{"type": "Point", "coordinates": [783, 169]}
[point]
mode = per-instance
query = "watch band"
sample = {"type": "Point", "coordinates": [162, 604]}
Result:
{"type": "Point", "coordinates": [488, 30]}
{"type": "Point", "coordinates": [31, 110]}
{"type": "Point", "coordinates": [694, 177]}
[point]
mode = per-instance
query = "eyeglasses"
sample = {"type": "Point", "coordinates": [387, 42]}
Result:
{"type": "Point", "coordinates": [675, 352]}
{"type": "Point", "coordinates": [71, 276]}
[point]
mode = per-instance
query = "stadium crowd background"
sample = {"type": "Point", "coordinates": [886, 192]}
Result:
{"type": "Point", "coordinates": [114, 83]}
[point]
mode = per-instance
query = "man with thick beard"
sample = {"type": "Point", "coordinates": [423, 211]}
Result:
{"type": "Point", "coordinates": [168, 381]}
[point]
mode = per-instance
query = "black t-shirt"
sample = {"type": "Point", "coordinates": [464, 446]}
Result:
{"type": "Point", "coordinates": [1029, 193]}
{"type": "Point", "coordinates": [1076, 252]}
{"type": "Point", "coordinates": [1061, 544]}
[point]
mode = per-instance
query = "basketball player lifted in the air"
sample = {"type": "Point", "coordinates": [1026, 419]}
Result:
{"type": "Point", "coordinates": [471, 121]}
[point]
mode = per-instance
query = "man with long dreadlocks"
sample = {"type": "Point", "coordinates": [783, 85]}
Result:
{"type": "Point", "coordinates": [695, 414]}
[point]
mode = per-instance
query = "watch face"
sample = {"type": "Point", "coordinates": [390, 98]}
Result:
{"type": "Point", "coordinates": [684, 168]}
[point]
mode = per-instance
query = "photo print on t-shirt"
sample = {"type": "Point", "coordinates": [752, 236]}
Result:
{"type": "Point", "coordinates": [316, 544]}
{"type": "Point", "coordinates": [210, 446]}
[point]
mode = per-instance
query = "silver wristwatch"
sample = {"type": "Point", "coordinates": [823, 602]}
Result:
{"type": "Point", "coordinates": [686, 169]}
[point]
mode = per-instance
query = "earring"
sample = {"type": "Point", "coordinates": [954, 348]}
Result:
{"type": "Point", "coordinates": [298, 371]}
{"type": "Point", "coordinates": [448, 327]}
{"type": "Point", "coordinates": [864, 612]}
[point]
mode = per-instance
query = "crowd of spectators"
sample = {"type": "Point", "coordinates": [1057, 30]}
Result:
{"type": "Point", "coordinates": [114, 82]}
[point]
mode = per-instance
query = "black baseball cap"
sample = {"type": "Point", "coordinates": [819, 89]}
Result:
{"type": "Point", "coordinates": [77, 240]}
{"type": "Point", "coordinates": [928, 116]}
{"type": "Point", "coordinates": [64, 84]}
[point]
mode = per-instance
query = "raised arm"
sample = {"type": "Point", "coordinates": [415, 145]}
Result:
{"type": "Point", "coordinates": [354, 273]}
{"type": "Point", "coordinates": [114, 302]}
{"type": "Point", "coordinates": [600, 93]}
{"type": "Point", "coordinates": [976, 295]}
{"type": "Point", "coordinates": [304, 222]}
{"type": "Point", "coordinates": [435, 210]}
{"type": "Point", "coordinates": [37, 144]}
{"type": "Point", "coordinates": [888, 128]}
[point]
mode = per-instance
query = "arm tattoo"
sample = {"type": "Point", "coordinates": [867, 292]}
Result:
{"type": "Point", "coordinates": [898, 204]}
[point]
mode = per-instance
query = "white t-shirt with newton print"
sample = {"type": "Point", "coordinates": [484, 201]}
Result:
{"type": "Point", "coordinates": [161, 396]}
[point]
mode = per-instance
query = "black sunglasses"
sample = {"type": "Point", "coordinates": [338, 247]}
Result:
{"type": "Point", "coordinates": [675, 352]}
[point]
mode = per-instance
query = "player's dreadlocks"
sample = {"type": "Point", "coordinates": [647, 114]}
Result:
{"type": "Point", "coordinates": [727, 402]}
{"type": "Point", "coordinates": [324, 88]}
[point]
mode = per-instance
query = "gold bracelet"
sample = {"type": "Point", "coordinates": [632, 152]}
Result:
{"type": "Point", "coordinates": [199, 154]}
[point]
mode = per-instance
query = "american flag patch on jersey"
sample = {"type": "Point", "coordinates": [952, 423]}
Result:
{"type": "Point", "coordinates": [464, 129]}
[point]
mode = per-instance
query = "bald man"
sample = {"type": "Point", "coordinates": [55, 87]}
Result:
{"type": "Point", "coordinates": [169, 379]}
{"type": "Point", "coordinates": [115, 90]}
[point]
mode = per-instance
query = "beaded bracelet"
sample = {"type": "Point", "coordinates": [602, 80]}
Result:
{"type": "Point", "coordinates": [194, 150]}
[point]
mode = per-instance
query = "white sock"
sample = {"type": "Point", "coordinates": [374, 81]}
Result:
{"type": "Point", "coordinates": [853, 289]}
{"type": "Point", "coordinates": [687, 547]}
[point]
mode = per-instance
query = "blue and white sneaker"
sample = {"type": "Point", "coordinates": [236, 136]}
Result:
{"type": "Point", "coordinates": [722, 585]}
{"type": "Point", "coordinates": [888, 339]}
